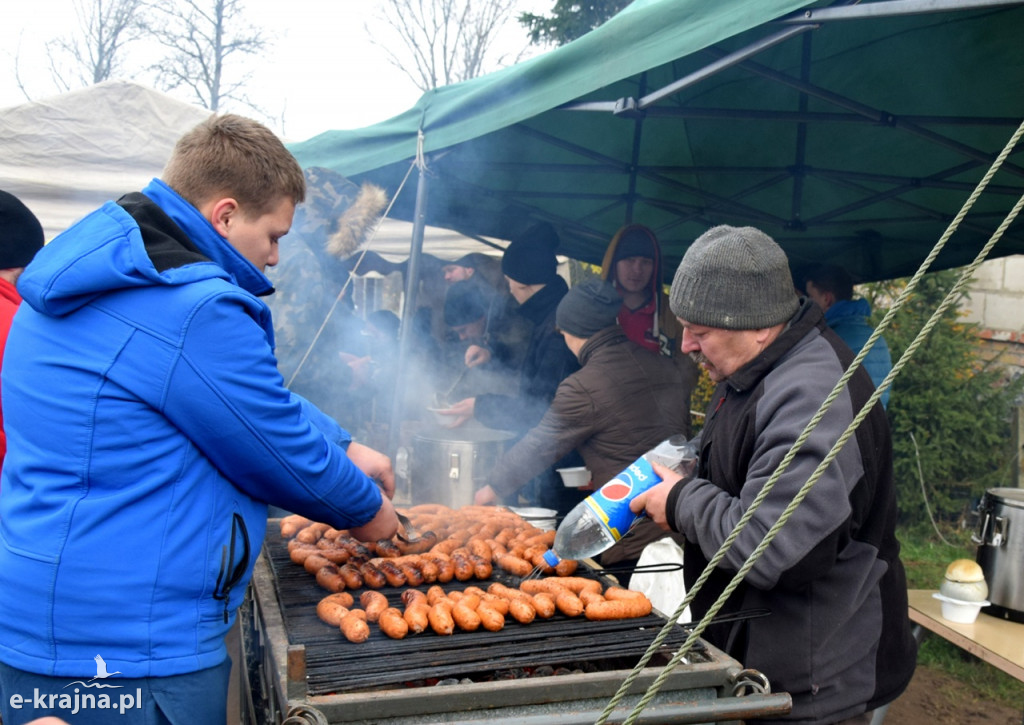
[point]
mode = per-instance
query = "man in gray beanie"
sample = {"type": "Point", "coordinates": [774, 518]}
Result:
{"type": "Point", "coordinates": [621, 403]}
{"type": "Point", "coordinates": [838, 638]}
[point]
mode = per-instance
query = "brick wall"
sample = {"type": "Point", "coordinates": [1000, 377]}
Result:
{"type": "Point", "coordinates": [997, 305]}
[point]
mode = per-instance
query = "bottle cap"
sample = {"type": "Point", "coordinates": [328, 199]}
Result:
{"type": "Point", "coordinates": [551, 558]}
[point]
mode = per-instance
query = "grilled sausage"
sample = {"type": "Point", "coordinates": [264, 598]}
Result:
{"type": "Point", "coordinates": [416, 615]}
{"type": "Point", "coordinates": [568, 603]}
{"type": "Point", "coordinates": [329, 578]}
{"type": "Point", "coordinates": [351, 576]}
{"type": "Point", "coordinates": [309, 534]}
{"type": "Point", "coordinates": [392, 623]}
{"type": "Point", "coordinates": [521, 611]}
{"type": "Point", "coordinates": [429, 571]}
{"type": "Point", "coordinates": [434, 595]}
{"type": "Point", "coordinates": [293, 524]}
{"type": "Point", "coordinates": [445, 565]}
{"type": "Point", "coordinates": [498, 604]}
{"type": "Point", "coordinates": [424, 542]}
{"type": "Point", "coordinates": [621, 594]}
{"type": "Point", "coordinates": [490, 618]}
{"type": "Point", "coordinates": [513, 564]}
{"type": "Point", "coordinates": [619, 609]}
{"type": "Point", "coordinates": [372, 576]}
{"type": "Point", "coordinates": [386, 548]}
{"type": "Point", "coordinates": [413, 576]}
{"type": "Point", "coordinates": [410, 596]}
{"type": "Point", "coordinates": [334, 607]}
{"type": "Point", "coordinates": [373, 603]}
{"type": "Point", "coordinates": [544, 604]}
{"type": "Point", "coordinates": [314, 562]}
{"type": "Point", "coordinates": [465, 616]}
{"type": "Point", "coordinates": [463, 565]}
{"type": "Point", "coordinates": [354, 628]}
{"type": "Point", "coordinates": [482, 568]}
{"type": "Point", "coordinates": [394, 575]}
{"type": "Point", "coordinates": [440, 618]}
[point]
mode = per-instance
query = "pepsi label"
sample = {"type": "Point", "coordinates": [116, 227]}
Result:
{"type": "Point", "coordinates": [610, 503]}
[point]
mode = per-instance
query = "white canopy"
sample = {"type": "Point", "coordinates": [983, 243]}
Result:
{"type": "Point", "coordinates": [66, 155]}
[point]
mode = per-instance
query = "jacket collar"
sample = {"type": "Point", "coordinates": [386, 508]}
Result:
{"type": "Point", "coordinates": [808, 317]}
{"type": "Point", "coordinates": [211, 244]}
{"type": "Point", "coordinates": [601, 339]}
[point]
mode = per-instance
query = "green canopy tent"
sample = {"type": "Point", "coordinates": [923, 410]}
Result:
{"type": "Point", "coordinates": [851, 132]}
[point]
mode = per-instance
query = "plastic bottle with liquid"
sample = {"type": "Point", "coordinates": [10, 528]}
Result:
{"type": "Point", "coordinates": [602, 518]}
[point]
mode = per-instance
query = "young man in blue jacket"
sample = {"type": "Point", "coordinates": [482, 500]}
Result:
{"type": "Point", "coordinates": [148, 429]}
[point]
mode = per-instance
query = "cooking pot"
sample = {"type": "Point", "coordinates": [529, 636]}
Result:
{"type": "Point", "coordinates": [1000, 540]}
{"type": "Point", "coordinates": [447, 466]}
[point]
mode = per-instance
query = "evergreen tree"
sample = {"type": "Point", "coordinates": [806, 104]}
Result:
{"type": "Point", "coordinates": [569, 19]}
{"type": "Point", "coordinates": [949, 409]}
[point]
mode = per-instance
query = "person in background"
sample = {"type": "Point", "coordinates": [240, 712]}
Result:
{"type": "Point", "coordinates": [632, 262]}
{"type": "Point", "coordinates": [838, 637]}
{"type": "Point", "coordinates": [531, 267]}
{"type": "Point", "coordinates": [21, 236]}
{"type": "Point", "coordinates": [148, 429]}
{"type": "Point", "coordinates": [832, 288]}
{"type": "Point", "coordinates": [622, 402]}
{"type": "Point", "coordinates": [465, 313]}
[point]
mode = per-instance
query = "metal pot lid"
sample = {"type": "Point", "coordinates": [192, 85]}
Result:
{"type": "Point", "coordinates": [465, 434]}
{"type": "Point", "coordinates": [1010, 496]}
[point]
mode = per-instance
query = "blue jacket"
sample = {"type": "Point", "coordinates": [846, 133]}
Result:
{"type": "Point", "coordinates": [849, 319]}
{"type": "Point", "coordinates": [148, 427]}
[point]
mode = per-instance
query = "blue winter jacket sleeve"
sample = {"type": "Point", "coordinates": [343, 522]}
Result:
{"type": "Point", "coordinates": [226, 395]}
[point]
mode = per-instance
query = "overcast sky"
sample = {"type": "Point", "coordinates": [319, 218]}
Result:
{"type": "Point", "coordinates": [321, 73]}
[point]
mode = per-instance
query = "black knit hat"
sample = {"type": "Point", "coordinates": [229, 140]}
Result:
{"type": "Point", "coordinates": [21, 234]}
{"type": "Point", "coordinates": [530, 257]}
{"type": "Point", "coordinates": [734, 278]}
{"type": "Point", "coordinates": [588, 308]}
{"type": "Point", "coordinates": [635, 241]}
{"type": "Point", "coordinates": [464, 303]}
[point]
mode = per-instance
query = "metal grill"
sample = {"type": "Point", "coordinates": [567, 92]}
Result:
{"type": "Point", "coordinates": [559, 644]}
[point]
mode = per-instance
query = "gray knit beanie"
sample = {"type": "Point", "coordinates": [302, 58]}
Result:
{"type": "Point", "coordinates": [734, 278]}
{"type": "Point", "coordinates": [588, 308]}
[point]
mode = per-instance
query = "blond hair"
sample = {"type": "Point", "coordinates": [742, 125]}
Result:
{"type": "Point", "coordinates": [229, 155]}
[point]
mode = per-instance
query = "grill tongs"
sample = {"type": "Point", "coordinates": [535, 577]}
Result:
{"type": "Point", "coordinates": [661, 568]}
{"type": "Point", "coordinates": [407, 532]}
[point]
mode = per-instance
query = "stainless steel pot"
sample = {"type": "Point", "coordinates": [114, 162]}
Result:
{"type": "Point", "coordinates": [447, 466]}
{"type": "Point", "coordinates": [1000, 540]}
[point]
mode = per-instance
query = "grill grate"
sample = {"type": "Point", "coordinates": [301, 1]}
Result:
{"type": "Point", "coordinates": [335, 665]}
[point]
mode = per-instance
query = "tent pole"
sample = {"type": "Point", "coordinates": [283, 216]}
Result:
{"type": "Point", "coordinates": [412, 279]}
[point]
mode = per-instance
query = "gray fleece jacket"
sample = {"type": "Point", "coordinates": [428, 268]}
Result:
{"type": "Point", "coordinates": [838, 637]}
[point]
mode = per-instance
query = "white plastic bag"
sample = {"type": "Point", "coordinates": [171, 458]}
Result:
{"type": "Point", "coordinates": [666, 590]}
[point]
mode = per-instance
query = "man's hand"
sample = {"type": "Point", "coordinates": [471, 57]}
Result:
{"type": "Point", "coordinates": [383, 525]}
{"type": "Point", "coordinates": [653, 500]}
{"type": "Point", "coordinates": [460, 412]}
{"type": "Point", "coordinates": [485, 496]}
{"type": "Point", "coordinates": [476, 355]}
{"type": "Point", "coordinates": [375, 465]}
{"type": "Point", "coordinates": [362, 368]}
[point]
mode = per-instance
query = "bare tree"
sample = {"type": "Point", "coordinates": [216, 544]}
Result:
{"type": "Point", "coordinates": [94, 53]}
{"type": "Point", "coordinates": [202, 36]}
{"type": "Point", "coordinates": [444, 41]}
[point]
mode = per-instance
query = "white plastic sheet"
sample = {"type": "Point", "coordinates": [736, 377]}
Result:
{"type": "Point", "coordinates": [666, 590]}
